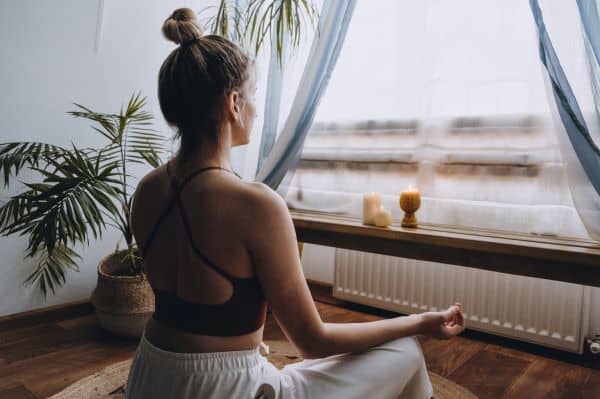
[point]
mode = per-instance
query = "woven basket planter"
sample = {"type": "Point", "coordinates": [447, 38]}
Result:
{"type": "Point", "coordinates": [123, 303]}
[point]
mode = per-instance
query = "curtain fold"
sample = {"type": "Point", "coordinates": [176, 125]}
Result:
{"type": "Point", "coordinates": [578, 148]}
{"type": "Point", "coordinates": [326, 46]}
{"type": "Point", "coordinates": [272, 105]}
{"type": "Point", "coordinates": [590, 21]}
{"type": "Point", "coordinates": [588, 11]}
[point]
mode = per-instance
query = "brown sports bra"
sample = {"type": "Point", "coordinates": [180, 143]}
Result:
{"type": "Point", "coordinates": [242, 313]}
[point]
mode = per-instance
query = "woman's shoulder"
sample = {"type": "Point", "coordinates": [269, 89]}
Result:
{"type": "Point", "coordinates": [262, 196]}
{"type": "Point", "coordinates": [260, 205]}
{"type": "Point", "coordinates": [152, 180]}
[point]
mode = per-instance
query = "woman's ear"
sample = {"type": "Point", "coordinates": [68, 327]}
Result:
{"type": "Point", "coordinates": [232, 105]}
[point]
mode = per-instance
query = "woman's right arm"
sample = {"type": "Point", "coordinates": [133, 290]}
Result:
{"type": "Point", "coordinates": [271, 240]}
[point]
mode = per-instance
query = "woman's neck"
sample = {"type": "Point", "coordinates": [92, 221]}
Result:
{"type": "Point", "coordinates": [207, 154]}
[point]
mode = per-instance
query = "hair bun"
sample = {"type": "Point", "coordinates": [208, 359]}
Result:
{"type": "Point", "coordinates": [182, 26]}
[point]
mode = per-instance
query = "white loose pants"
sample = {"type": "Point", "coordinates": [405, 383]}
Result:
{"type": "Point", "coordinates": [393, 370]}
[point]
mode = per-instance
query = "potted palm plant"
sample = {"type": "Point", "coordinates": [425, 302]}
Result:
{"type": "Point", "coordinates": [81, 192]}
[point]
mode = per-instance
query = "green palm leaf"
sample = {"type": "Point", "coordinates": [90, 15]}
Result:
{"type": "Point", "coordinates": [51, 268]}
{"type": "Point", "coordinates": [107, 122]}
{"type": "Point", "coordinates": [16, 155]}
{"type": "Point", "coordinates": [142, 143]}
{"type": "Point", "coordinates": [227, 21]}
{"type": "Point", "coordinates": [281, 20]}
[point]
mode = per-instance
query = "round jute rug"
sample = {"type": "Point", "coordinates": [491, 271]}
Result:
{"type": "Point", "coordinates": [109, 383]}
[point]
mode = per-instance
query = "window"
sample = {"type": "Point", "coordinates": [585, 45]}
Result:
{"type": "Point", "coordinates": [448, 97]}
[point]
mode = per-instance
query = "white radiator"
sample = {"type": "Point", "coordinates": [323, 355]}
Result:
{"type": "Point", "coordinates": [544, 312]}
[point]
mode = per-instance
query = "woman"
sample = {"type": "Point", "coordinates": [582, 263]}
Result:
{"type": "Point", "coordinates": [216, 249]}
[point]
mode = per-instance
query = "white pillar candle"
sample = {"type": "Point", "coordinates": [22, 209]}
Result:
{"type": "Point", "coordinates": [371, 204]}
{"type": "Point", "coordinates": [383, 217]}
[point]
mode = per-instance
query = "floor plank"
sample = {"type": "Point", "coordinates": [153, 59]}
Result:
{"type": "Point", "coordinates": [19, 392]}
{"type": "Point", "coordinates": [47, 315]}
{"type": "Point", "coordinates": [444, 357]}
{"type": "Point", "coordinates": [83, 365]}
{"type": "Point", "coordinates": [11, 337]}
{"type": "Point", "coordinates": [591, 389]}
{"type": "Point", "coordinates": [56, 339]}
{"type": "Point", "coordinates": [511, 352]}
{"type": "Point", "coordinates": [488, 374]}
{"type": "Point", "coordinates": [551, 379]}
{"type": "Point", "coordinates": [84, 349]}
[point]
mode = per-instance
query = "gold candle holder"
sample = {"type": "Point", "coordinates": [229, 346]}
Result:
{"type": "Point", "coordinates": [410, 201]}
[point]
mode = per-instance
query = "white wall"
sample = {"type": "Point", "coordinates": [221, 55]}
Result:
{"type": "Point", "coordinates": [51, 58]}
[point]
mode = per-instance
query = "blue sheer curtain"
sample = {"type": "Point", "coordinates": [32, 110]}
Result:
{"type": "Point", "coordinates": [272, 105]}
{"type": "Point", "coordinates": [577, 129]}
{"type": "Point", "coordinates": [284, 155]}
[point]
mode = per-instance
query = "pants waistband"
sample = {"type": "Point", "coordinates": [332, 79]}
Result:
{"type": "Point", "coordinates": [203, 362]}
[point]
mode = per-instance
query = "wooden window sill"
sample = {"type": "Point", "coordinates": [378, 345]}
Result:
{"type": "Point", "coordinates": [555, 258]}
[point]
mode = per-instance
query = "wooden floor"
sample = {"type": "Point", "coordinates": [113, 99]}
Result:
{"type": "Point", "coordinates": [39, 360]}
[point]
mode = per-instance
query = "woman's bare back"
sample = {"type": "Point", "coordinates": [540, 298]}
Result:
{"type": "Point", "coordinates": [213, 201]}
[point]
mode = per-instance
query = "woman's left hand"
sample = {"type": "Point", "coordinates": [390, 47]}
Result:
{"type": "Point", "coordinates": [443, 325]}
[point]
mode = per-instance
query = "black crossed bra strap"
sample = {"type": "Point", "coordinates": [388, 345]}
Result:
{"type": "Point", "coordinates": [176, 200]}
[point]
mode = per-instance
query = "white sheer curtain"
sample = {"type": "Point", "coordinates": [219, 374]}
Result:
{"type": "Point", "coordinates": [448, 97]}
